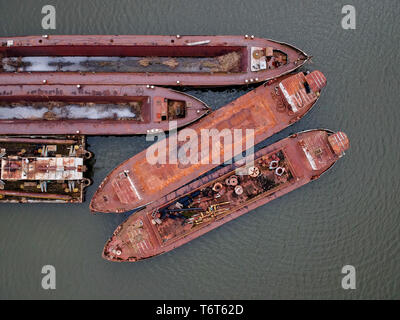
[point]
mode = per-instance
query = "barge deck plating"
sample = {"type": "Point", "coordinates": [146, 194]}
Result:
{"type": "Point", "coordinates": [43, 169]}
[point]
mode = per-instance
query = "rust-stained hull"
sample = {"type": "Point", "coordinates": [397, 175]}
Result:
{"type": "Point", "coordinates": [224, 195]}
{"type": "Point", "coordinates": [43, 169]}
{"type": "Point", "coordinates": [147, 59]}
{"type": "Point", "coordinates": [267, 109]}
{"type": "Point", "coordinates": [94, 109]}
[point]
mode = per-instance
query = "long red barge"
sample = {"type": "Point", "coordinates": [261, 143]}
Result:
{"type": "Point", "coordinates": [225, 195]}
{"type": "Point", "coordinates": [145, 59]}
{"type": "Point", "coordinates": [267, 109]}
{"type": "Point", "coordinates": [94, 109]}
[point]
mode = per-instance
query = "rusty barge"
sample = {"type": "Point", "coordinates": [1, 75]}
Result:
{"type": "Point", "coordinates": [226, 194]}
{"type": "Point", "coordinates": [267, 109]}
{"type": "Point", "coordinates": [43, 169]}
{"type": "Point", "coordinates": [148, 59]}
{"type": "Point", "coordinates": [94, 109]}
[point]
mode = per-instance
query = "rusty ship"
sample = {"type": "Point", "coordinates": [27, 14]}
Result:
{"type": "Point", "coordinates": [43, 169]}
{"type": "Point", "coordinates": [94, 109]}
{"type": "Point", "coordinates": [147, 59]}
{"type": "Point", "coordinates": [226, 194]}
{"type": "Point", "coordinates": [267, 109]}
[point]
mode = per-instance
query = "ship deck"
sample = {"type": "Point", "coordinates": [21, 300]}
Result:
{"type": "Point", "coordinates": [262, 112]}
{"type": "Point", "coordinates": [224, 195]}
{"type": "Point", "coordinates": [221, 197]}
{"type": "Point", "coordinates": [154, 60]}
{"type": "Point", "coordinates": [94, 110]}
{"type": "Point", "coordinates": [42, 169]}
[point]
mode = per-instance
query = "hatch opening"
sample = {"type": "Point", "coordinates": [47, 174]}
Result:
{"type": "Point", "coordinates": [138, 59]}
{"type": "Point", "coordinates": [176, 109]}
{"type": "Point", "coordinates": [267, 58]}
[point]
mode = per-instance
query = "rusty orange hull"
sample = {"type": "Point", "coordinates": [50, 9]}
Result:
{"type": "Point", "coordinates": [94, 109]}
{"type": "Point", "coordinates": [278, 169]}
{"type": "Point", "coordinates": [265, 110]}
{"type": "Point", "coordinates": [148, 59]}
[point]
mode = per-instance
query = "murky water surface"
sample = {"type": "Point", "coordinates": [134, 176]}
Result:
{"type": "Point", "coordinates": [294, 247]}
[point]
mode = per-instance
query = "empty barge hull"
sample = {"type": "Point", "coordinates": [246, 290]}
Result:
{"type": "Point", "coordinates": [148, 59]}
{"type": "Point", "coordinates": [225, 195]}
{"type": "Point", "coordinates": [94, 110]}
{"type": "Point", "coordinates": [265, 110]}
{"type": "Point", "coordinates": [43, 169]}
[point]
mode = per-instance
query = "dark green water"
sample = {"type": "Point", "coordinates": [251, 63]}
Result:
{"type": "Point", "coordinates": [294, 247]}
